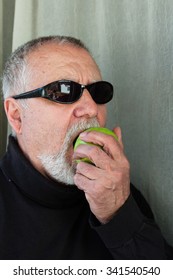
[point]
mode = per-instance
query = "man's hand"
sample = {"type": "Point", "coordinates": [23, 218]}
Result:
{"type": "Point", "coordinates": [107, 184]}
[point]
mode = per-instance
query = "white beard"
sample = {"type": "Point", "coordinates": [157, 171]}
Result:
{"type": "Point", "coordinates": [57, 166]}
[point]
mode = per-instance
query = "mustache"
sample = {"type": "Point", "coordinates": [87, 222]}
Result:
{"type": "Point", "coordinates": [79, 127]}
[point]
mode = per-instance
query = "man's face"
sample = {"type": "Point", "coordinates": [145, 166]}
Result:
{"type": "Point", "coordinates": [49, 128]}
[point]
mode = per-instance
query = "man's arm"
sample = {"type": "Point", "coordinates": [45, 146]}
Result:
{"type": "Point", "coordinates": [133, 233]}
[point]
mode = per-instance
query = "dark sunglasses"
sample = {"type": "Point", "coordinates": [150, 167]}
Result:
{"type": "Point", "coordinates": [67, 92]}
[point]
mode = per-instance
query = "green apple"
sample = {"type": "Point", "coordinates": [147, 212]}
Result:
{"type": "Point", "coordinates": [81, 142]}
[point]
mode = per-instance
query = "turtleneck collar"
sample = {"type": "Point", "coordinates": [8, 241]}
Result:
{"type": "Point", "coordinates": [34, 185]}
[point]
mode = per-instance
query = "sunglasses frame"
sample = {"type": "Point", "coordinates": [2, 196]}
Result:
{"type": "Point", "coordinates": [41, 92]}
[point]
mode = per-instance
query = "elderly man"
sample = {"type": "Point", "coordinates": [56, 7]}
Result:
{"type": "Point", "coordinates": [52, 206]}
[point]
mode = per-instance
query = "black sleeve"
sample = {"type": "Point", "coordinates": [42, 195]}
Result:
{"type": "Point", "coordinates": [132, 233]}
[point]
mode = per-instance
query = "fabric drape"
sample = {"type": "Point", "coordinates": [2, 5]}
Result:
{"type": "Point", "coordinates": [6, 31]}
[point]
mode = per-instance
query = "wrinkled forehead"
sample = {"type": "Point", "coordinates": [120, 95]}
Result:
{"type": "Point", "coordinates": [60, 54]}
{"type": "Point", "coordinates": [52, 62]}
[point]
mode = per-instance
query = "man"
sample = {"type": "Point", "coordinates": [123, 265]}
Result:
{"type": "Point", "coordinates": [52, 207]}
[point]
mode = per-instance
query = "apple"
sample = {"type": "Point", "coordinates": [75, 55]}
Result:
{"type": "Point", "coordinates": [81, 142]}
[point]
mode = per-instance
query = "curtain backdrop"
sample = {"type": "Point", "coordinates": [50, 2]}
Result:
{"type": "Point", "coordinates": [132, 41]}
{"type": "Point", "coordinates": [6, 31]}
{"type": "Point", "coordinates": [1, 55]}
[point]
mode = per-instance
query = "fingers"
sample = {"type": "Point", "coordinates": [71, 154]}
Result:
{"type": "Point", "coordinates": [105, 191]}
{"type": "Point", "coordinates": [95, 154]}
{"type": "Point", "coordinates": [117, 131]}
{"type": "Point", "coordinates": [112, 147]}
{"type": "Point", "coordinates": [87, 170]}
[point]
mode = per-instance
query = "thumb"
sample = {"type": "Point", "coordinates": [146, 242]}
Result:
{"type": "Point", "coordinates": [118, 132]}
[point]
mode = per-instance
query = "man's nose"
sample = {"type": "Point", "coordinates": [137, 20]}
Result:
{"type": "Point", "coordinates": [86, 106]}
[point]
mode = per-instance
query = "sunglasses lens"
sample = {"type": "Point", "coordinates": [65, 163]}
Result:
{"type": "Point", "coordinates": [64, 91]}
{"type": "Point", "coordinates": [101, 92]}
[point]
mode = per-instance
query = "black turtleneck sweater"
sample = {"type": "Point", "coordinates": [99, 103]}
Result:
{"type": "Point", "coordinates": [44, 219]}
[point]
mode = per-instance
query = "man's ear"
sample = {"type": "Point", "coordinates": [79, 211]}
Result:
{"type": "Point", "coordinates": [14, 113]}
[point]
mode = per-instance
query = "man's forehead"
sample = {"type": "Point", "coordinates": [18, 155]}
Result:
{"type": "Point", "coordinates": [55, 55]}
{"type": "Point", "coordinates": [48, 50]}
{"type": "Point", "coordinates": [52, 62]}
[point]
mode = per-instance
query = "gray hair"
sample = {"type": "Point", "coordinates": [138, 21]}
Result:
{"type": "Point", "coordinates": [15, 73]}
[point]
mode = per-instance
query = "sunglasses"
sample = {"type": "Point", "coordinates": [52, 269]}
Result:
{"type": "Point", "coordinates": [68, 92]}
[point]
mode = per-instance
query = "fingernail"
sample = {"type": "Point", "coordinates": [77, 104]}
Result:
{"type": "Point", "coordinates": [83, 134]}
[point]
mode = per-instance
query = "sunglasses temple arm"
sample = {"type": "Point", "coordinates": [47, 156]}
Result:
{"type": "Point", "coordinates": [30, 94]}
